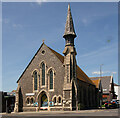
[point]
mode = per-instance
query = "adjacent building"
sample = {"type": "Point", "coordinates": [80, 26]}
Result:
{"type": "Point", "coordinates": [8, 101]}
{"type": "Point", "coordinates": [107, 87]}
{"type": "Point", "coordinates": [117, 91]}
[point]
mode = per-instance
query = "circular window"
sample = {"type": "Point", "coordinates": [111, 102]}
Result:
{"type": "Point", "coordinates": [43, 52]}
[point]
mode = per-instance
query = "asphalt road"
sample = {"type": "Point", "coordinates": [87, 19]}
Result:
{"type": "Point", "coordinates": [110, 113]}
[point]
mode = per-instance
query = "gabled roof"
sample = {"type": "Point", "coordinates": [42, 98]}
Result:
{"type": "Point", "coordinates": [105, 80]}
{"type": "Point", "coordinates": [96, 82]}
{"type": "Point", "coordinates": [80, 74]}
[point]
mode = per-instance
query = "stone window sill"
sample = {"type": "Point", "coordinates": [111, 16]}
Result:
{"type": "Point", "coordinates": [51, 90]}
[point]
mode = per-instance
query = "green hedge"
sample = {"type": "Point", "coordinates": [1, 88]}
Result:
{"type": "Point", "coordinates": [103, 105]}
{"type": "Point", "coordinates": [81, 106]}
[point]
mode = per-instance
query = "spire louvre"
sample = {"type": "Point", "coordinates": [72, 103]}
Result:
{"type": "Point", "coordinates": [69, 27]}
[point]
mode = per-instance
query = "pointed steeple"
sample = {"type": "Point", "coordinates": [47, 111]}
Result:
{"type": "Point", "coordinates": [69, 27]}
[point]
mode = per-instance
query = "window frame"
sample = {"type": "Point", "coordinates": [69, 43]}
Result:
{"type": "Point", "coordinates": [54, 97]}
{"type": "Point", "coordinates": [28, 103]}
{"type": "Point", "coordinates": [40, 66]}
{"type": "Point", "coordinates": [38, 78]}
{"type": "Point", "coordinates": [59, 103]}
{"type": "Point", "coordinates": [43, 73]}
{"type": "Point", "coordinates": [51, 80]}
{"type": "Point", "coordinates": [35, 80]}
{"type": "Point", "coordinates": [48, 76]}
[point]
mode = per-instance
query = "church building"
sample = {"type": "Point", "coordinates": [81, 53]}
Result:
{"type": "Point", "coordinates": [55, 82]}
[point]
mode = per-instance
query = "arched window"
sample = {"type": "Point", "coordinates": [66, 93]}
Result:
{"type": "Point", "coordinates": [35, 80]}
{"type": "Point", "coordinates": [51, 79]}
{"type": "Point", "coordinates": [59, 99]}
{"type": "Point", "coordinates": [32, 100]}
{"type": "Point", "coordinates": [54, 100]}
{"type": "Point", "coordinates": [43, 74]}
{"type": "Point", "coordinates": [28, 101]}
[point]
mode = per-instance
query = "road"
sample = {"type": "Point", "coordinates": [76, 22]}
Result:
{"type": "Point", "coordinates": [110, 113]}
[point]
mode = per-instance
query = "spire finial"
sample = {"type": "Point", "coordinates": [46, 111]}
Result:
{"type": "Point", "coordinates": [68, 5]}
{"type": "Point", "coordinates": [43, 40]}
{"type": "Point", "coordinates": [69, 27]}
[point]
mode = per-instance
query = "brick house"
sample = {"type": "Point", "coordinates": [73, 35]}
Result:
{"type": "Point", "coordinates": [55, 82]}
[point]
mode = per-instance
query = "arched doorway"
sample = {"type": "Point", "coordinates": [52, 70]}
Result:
{"type": "Point", "coordinates": [73, 97]}
{"type": "Point", "coordinates": [43, 101]}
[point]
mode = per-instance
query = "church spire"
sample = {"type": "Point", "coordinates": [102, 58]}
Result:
{"type": "Point", "coordinates": [69, 27]}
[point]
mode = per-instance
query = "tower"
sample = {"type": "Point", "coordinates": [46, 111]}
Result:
{"type": "Point", "coordinates": [70, 84]}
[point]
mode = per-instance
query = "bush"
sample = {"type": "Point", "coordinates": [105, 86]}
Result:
{"type": "Point", "coordinates": [81, 106]}
{"type": "Point", "coordinates": [103, 105]}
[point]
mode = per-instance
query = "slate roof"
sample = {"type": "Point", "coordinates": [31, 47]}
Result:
{"type": "Point", "coordinates": [105, 80]}
{"type": "Point", "coordinates": [80, 74]}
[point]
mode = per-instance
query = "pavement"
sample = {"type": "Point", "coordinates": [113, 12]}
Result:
{"type": "Point", "coordinates": [59, 114]}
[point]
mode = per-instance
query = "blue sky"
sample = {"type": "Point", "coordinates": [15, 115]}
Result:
{"type": "Point", "coordinates": [25, 25]}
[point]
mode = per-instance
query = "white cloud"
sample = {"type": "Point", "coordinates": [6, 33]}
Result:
{"type": "Point", "coordinates": [103, 50]}
{"type": "Point", "coordinates": [98, 72]}
{"type": "Point", "coordinates": [103, 72]}
{"type": "Point", "coordinates": [114, 72]}
{"type": "Point", "coordinates": [6, 21]}
{"type": "Point", "coordinates": [39, 2]}
{"type": "Point", "coordinates": [85, 21]}
{"type": "Point", "coordinates": [17, 25]}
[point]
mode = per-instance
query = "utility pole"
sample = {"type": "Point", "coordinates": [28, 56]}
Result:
{"type": "Point", "coordinates": [101, 70]}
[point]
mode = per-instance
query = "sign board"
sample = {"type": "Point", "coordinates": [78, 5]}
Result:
{"type": "Point", "coordinates": [30, 94]}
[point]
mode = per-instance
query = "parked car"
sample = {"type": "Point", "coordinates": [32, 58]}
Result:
{"type": "Point", "coordinates": [111, 104]}
{"type": "Point", "coordinates": [108, 105]}
{"type": "Point", "coordinates": [115, 103]}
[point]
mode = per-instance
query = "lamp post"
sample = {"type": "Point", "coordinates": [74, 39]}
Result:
{"type": "Point", "coordinates": [101, 70]}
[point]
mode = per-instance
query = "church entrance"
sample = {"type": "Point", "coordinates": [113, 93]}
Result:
{"type": "Point", "coordinates": [43, 101]}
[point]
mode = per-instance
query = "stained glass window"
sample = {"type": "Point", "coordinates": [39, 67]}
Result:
{"type": "Point", "coordinates": [43, 74]}
{"type": "Point", "coordinates": [51, 79]}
